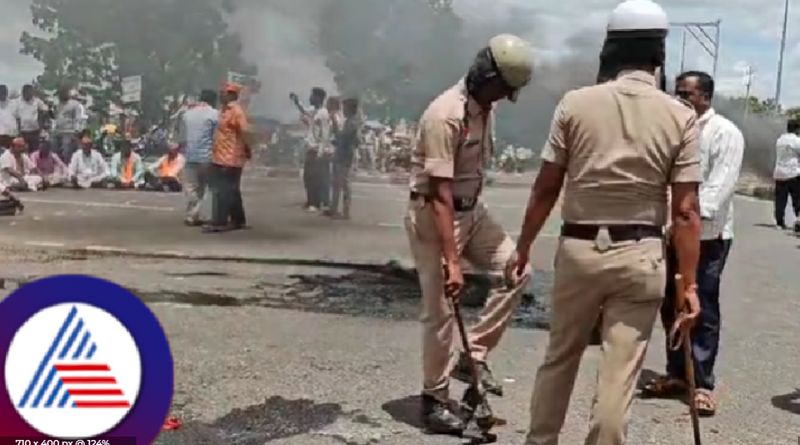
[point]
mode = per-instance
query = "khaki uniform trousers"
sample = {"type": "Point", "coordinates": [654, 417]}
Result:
{"type": "Point", "coordinates": [625, 284]}
{"type": "Point", "coordinates": [484, 243]}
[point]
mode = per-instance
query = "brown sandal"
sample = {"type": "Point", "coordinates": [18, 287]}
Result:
{"type": "Point", "coordinates": [704, 403]}
{"type": "Point", "coordinates": [664, 387]}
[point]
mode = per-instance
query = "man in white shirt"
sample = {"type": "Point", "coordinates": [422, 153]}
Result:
{"type": "Point", "coordinates": [721, 154]}
{"type": "Point", "coordinates": [787, 174]}
{"type": "Point", "coordinates": [17, 170]}
{"type": "Point", "coordinates": [68, 120]}
{"type": "Point", "coordinates": [87, 168]}
{"type": "Point", "coordinates": [30, 110]}
{"type": "Point", "coordinates": [318, 121]}
{"type": "Point", "coordinates": [8, 119]}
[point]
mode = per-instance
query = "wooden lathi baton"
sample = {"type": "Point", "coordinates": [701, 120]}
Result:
{"type": "Point", "coordinates": [681, 337]}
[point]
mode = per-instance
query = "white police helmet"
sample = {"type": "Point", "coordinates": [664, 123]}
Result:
{"type": "Point", "coordinates": [638, 15]}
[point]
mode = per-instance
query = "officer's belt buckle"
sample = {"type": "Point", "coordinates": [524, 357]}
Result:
{"type": "Point", "coordinates": [603, 239]}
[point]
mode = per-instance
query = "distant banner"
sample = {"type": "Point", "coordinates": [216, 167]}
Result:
{"type": "Point", "coordinates": [241, 79]}
{"type": "Point", "coordinates": [251, 83]}
{"type": "Point", "coordinates": [131, 89]}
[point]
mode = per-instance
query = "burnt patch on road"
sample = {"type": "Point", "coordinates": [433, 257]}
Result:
{"type": "Point", "coordinates": [201, 273]}
{"type": "Point", "coordinates": [276, 418]}
{"type": "Point", "coordinates": [195, 298]}
{"type": "Point", "coordinates": [391, 296]}
{"type": "Point", "coordinates": [389, 292]}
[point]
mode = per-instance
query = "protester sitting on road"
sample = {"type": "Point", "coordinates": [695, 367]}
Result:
{"type": "Point", "coordinates": [50, 167]}
{"type": "Point", "coordinates": [17, 170]}
{"type": "Point", "coordinates": [87, 168]}
{"type": "Point", "coordinates": [127, 169]}
{"type": "Point", "coordinates": [165, 174]}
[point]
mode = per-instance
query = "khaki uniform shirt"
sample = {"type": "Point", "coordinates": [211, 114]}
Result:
{"type": "Point", "coordinates": [454, 141]}
{"type": "Point", "coordinates": [623, 143]}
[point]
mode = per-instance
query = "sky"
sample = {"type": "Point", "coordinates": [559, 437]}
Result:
{"type": "Point", "coordinates": [750, 35]}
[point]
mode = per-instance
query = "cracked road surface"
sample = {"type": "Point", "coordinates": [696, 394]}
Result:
{"type": "Point", "coordinates": [292, 353]}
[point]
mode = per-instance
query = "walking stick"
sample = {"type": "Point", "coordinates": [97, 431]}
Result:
{"type": "Point", "coordinates": [480, 418]}
{"type": "Point", "coordinates": [682, 338]}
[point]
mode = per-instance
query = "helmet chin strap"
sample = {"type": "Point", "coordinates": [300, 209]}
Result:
{"type": "Point", "coordinates": [482, 71]}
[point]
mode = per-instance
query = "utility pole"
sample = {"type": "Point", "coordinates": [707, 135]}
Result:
{"type": "Point", "coordinates": [749, 83]}
{"type": "Point", "coordinates": [780, 59]}
{"type": "Point", "coordinates": [683, 52]}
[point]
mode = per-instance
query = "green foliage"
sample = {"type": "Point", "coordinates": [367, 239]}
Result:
{"type": "Point", "coordinates": [793, 113]}
{"type": "Point", "coordinates": [755, 105]}
{"type": "Point", "coordinates": [178, 46]}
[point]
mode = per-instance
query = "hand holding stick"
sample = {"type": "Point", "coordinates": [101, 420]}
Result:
{"type": "Point", "coordinates": [680, 337]}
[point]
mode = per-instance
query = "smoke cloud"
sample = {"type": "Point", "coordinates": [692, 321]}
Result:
{"type": "Point", "coordinates": [280, 37]}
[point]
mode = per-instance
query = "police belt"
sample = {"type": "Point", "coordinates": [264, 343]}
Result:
{"type": "Point", "coordinates": [618, 233]}
{"type": "Point", "coordinates": [459, 204]}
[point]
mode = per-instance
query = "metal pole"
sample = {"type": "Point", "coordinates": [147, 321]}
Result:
{"type": "Point", "coordinates": [783, 50]}
{"type": "Point", "coordinates": [747, 95]}
{"type": "Point", "coordinates": [683, 52]}
{"type": "Point", "coordinates": [716, 48]}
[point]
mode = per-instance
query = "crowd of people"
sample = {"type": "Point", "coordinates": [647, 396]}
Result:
{"type": "Point", "coordinates": [43, 147]}
{"type": "Point", "coordinates": [24, 171]}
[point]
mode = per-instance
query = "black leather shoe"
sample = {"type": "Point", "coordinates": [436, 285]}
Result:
{"type": "Point", "coordinates": [438, 418]}
{"type": "Point", "coordinates": [464, 374]}
{"type": "Point", "coordinates": [797, 228]}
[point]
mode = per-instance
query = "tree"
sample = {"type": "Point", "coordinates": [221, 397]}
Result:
{"type": "Point", "coordinates": [178, 46]}
{"type": "Point", "coordinates": [755, 105]}
{"type": "Point", "coordinates": [793, 113]}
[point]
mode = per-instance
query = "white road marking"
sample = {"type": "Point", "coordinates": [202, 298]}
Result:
{"type": "Point", "coordinates": [391, 226]}
{"type": "Point", "coordinates": [43, 244]}
{"type": "Point", "coordinates": [105, 249]}
{"type": "Point", "coordinates": [101, 204]}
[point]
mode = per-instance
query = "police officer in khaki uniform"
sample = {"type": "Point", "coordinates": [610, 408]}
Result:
{"type": "Point", "coordinates": [447, 221]}
{"type": "Point", "coordinates": [617, 149]}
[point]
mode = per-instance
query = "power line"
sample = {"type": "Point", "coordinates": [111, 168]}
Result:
{"type": "Point", "coordinates": [699, 31]}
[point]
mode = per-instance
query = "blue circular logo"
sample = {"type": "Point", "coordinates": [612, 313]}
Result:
{"type": "Point", "coordinates": [83, 358]}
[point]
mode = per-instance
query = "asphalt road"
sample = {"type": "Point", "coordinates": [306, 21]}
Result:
{"type": "Point", "coordinates": [307, 356]}
{"type": "Point", "coordinates": [151, 222]}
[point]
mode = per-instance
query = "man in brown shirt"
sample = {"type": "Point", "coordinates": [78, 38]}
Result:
{"type": "Point", "coordinates": [447, 221]}
{"type": "Point", "coordinates": [230, 153]}
{"type": "Point", "coordinates": [616, 149]}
